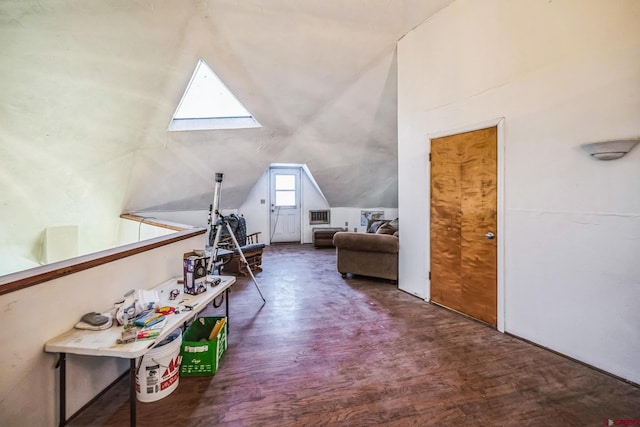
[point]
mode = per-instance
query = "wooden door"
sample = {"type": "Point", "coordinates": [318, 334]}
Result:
{"type": "Point", "coordinates": [463, 212]}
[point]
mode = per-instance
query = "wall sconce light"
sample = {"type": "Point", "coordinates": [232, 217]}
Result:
{"type": "Point", "coordinates": [610, 150]}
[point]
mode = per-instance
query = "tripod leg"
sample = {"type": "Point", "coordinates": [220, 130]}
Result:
{"type": "Point", "coordinates": [214, 250]}
{"type": "Point", "coordinates": [244, 261]}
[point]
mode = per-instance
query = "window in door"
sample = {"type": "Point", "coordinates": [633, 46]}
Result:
{"type": "Point", "coordinates": [285, 190]}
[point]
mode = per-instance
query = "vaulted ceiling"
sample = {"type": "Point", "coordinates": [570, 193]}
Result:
{"type": "Point", "coordinates": [87, 90]}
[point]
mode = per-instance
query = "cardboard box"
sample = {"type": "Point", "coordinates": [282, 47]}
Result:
{"type": "Point", "coordinates": [200, 356]}
{"type": "Point", "coordinates": [195, 272]}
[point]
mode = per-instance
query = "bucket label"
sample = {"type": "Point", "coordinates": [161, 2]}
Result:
{"type": "Point", "coordinates": [152, 378]}
{"type": "Point", "coordinates": [171, 374]}
{"type": "Point", "coordinates": [174, 364]}
{"type": "Point", "coordinates": [169, 382]}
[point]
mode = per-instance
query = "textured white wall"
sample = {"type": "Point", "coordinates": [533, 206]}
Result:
{"type": "Point", "coordinates": [87, 92]}
{"type": "Point", "coordinates": [561, 73]}
{"type": "Point", "coordinates": [257, 214]}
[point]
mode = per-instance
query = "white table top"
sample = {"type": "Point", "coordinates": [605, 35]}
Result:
{"type": "Point", "coordinates": [104, 343]}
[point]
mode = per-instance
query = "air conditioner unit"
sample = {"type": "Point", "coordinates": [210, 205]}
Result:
{"type": "Point", "coordinates": [320, 217]}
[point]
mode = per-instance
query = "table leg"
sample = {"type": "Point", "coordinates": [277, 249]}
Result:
{"type": "Point", "coordinates": [62, 365]}
{"type": "Point", "coordinates": [226, 307]}
{"type": "Point", "coordinates": [132, 393]}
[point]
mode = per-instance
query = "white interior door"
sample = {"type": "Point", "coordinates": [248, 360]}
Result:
{"type": "Point", "coordinates": [285, 205]}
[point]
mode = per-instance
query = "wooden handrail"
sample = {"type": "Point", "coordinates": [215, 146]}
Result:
{"type": "Point", "coordinates": [157, 223]}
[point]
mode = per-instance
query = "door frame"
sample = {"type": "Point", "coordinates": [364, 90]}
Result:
{"type": "Point", "coordinates": [299, 171]}
{"type": "Point", "coordinates": [499, 124]}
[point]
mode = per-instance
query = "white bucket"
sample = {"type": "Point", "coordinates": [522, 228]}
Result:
{"type": "Point", "coordinates": [159, 371]}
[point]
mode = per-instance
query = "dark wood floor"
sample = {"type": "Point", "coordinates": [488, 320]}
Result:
{"type": "Point", "coordinates": [330, 351]}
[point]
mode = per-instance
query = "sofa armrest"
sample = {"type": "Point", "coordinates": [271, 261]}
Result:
{"type": "Point", "coordinates": [366, 242]}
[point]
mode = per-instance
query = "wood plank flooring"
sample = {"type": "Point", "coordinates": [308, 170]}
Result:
{"type": "Point", "coordinates": [327, 351]}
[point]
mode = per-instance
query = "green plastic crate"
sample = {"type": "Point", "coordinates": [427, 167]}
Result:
{"type": "Point", "coordinates": [200, 356]}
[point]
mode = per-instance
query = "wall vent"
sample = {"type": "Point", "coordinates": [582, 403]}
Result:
{"type": "Point", "coordinates": [320, 217]}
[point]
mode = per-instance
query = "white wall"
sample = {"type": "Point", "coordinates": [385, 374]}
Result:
{"type": "Point", "coordinates": [561, 73]}
{"type": "Point", "coordinates": [350, 217]}
{"type": "Point", "coordinates": [65, 242]}
{"type": "Point", "coordinates": [257, 213]}
{"type": "Point", "coordinates": [312, 200]}
{"type": "Point", "coordinates": [32, 316]}
{"type": "Point", "coordinates": [24, 243]}
{"type": "Point", "coordinates": [133, 231]}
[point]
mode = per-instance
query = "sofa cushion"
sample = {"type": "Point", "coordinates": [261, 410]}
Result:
{"type": "Point", "coordinates": [366, 242]}
{"type": "Point", "coordinates": [385, 229]}
{"type": "Point", "coordinates": [390, 227]}
{"type": "Point", "coordinates": [373, 227]}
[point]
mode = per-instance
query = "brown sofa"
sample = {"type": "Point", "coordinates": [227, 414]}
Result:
{"type": "Point", "coordinates": [372, 254]}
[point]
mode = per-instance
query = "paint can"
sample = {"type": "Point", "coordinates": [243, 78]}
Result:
{"type": "Point", "coordinates": [159, 371]}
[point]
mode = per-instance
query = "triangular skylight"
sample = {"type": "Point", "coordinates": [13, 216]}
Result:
{"type": "Point", "coordinates": [208, 104]}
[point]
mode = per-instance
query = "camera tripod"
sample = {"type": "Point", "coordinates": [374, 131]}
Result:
{"type": "Point", "coordinates": [217, 222]}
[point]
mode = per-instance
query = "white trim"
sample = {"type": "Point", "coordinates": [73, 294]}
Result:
{"type": "Point", "coordinates": [222, 111]}
{"type": "Point", "coordinates": [427, 179]}
{"type": "Point", "coordinates": [293, 169]}
{"type": "Point", "coordinates": [501, 213]}
{"type": "Point", "coordinates": [499, 124]}
{"type": "Point", "coordinates": [213, 123]}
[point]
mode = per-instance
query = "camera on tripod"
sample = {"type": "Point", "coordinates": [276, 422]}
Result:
{"type": "Point", "coordinates": [216, 224]}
